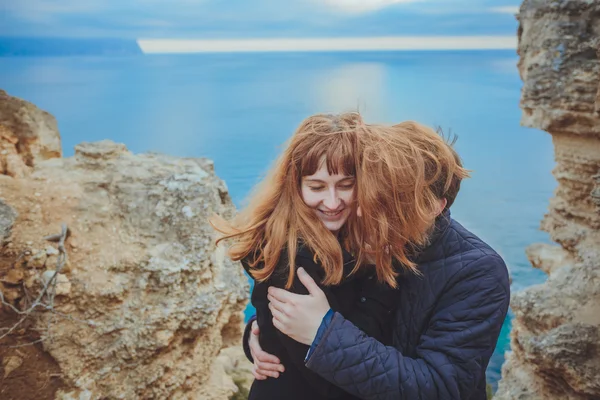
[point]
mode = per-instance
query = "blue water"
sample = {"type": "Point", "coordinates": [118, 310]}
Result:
{"type": "Point", "coordinates": [238, 110]}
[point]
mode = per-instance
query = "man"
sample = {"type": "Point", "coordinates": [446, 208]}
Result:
{"type": "Point", "coordinates": [445, 325]}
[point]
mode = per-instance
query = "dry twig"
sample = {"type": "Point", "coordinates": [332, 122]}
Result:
{"type": "Point", "coordinates": [48, 290]}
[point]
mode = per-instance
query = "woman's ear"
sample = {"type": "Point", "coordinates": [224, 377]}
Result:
{"type": "Point", "coordinates": [442, 205]}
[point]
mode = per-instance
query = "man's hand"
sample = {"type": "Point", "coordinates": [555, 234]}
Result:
{"type": "Point", "coordinates": [299, 316]}
{"type": "Point", "coordinates": [265, 364]}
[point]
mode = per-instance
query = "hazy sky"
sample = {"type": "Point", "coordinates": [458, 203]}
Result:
{"type": "Point", "coordinates": [255, 18]}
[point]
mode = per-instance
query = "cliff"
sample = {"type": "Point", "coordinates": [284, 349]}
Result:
{"type": "Point", "coordinates": [111, 282]}
{"type": "Point", "coordinates": [555, 338]}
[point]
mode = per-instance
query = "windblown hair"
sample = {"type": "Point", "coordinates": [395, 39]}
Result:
{"type": "Point", "coordinates": [405, 170]}
{"type": "Point", "coordinates": [401, 173]}
{"type": "Point", "coordinates": [277, 218]}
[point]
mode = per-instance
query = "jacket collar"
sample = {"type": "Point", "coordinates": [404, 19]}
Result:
{"type": "Point", "coordinates": [431, 250]}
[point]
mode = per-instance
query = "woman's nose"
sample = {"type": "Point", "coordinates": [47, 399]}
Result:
{"type": "Point", "coordinates": [332, 202]}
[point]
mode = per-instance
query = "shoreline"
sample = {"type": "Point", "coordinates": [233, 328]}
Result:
{"type": "Point", "coordinates": [391, 43]}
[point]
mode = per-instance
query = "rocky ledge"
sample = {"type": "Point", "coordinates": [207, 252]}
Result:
{"type": "Point", "coordinates": [111, 284]}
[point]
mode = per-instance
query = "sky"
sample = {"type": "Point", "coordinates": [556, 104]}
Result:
{"type": "Point", "coordinates": [216, 19]}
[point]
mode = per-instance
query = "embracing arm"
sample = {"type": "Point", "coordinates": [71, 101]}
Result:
{"type": "Point", "coordinates": [246, 338]}
{"type": "Point", "coordinates": [452, 352]}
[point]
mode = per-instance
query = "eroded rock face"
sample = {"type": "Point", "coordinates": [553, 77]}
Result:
{"type": "Point", "coordinates": [146, 301]}
{"type": "Point", "coordinates": [28, 136]}
{"type": "Point", "coordinates": [556, 331]}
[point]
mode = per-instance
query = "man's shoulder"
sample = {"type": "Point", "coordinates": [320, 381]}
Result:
{"type": "Point", "coordinates": [460, 240]}
{"type": "Point", "coordinates": [469, 250]}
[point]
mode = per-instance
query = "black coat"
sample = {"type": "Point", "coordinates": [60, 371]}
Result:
{"type": "Point", "coordinates": [360, 298]}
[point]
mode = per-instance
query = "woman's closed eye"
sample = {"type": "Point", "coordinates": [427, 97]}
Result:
{"type": "Point", "coordinates": [347, 186]}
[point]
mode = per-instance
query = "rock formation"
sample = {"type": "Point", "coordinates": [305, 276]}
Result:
{"type": "Point", "coordinates": [555, 340]}
{"type": "Point", "coordinates": [28, 136]}
{"type": "Point", "coordinates": [143, 303]}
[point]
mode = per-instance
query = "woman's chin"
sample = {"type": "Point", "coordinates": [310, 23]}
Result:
{"type": "Point", "coordinates": [334, 226]}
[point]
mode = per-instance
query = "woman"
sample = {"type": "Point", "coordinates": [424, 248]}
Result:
{"type": "Point", "coordinates": [304, 214]}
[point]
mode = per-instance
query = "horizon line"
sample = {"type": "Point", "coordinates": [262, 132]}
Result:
{"type": "Point", "coordinates": [382, 43]}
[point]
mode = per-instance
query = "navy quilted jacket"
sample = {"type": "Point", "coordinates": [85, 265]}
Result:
{"type": "Point", "coordinates": [445, 328]}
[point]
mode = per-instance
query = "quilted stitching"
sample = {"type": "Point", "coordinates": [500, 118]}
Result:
{"type": "Point", "coordinates": [445, 329]}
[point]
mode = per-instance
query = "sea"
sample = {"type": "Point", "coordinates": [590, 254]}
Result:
{"type": "Point", "coordinates": [238, 109]}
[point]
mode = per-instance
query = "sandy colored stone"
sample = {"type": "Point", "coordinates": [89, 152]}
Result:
{"type": "Point", "coordinates": [11, 294]}
{"type": "Point", "coordinates": [61, 282]}
{"type": "Point", "coordinates": [11, 363]}
{"type": "Point", "coordinates": [37, 260]}
{"type": "Point", "coordinates": [31, 281]}
{"type": "Point", "coordinates": [231, 376]}
{"type": "Point", "coordinates": [15, 166]}
{"type": "Point", "coordinates": [237, 366]}
{"type": "Point", "coordinates": [555, 337]}
{"type": "Point", "coordinates": [14, 277]}
{"type": "Point", "coordinates": [28, 136]}
{"type": "Point", "coordinates": [152, 301]}
{"type": "Point", "coordinates": [547, 257]}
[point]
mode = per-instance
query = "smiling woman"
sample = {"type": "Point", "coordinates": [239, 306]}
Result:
{"type": "Point", "coordinates": [310, 182]}
{"type": "Point", "coordinates": [304, 214]}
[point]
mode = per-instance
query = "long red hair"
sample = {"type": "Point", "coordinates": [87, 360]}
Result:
{"type": "Point", "coordinates": [397, 169]}
{"type": "Point", "coordinates": [276, 216]}
{"type": "Point", "coordinates": [405, 170]}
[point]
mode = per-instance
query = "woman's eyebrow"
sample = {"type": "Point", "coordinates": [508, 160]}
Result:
{"type": "Point", "coordinates": [315, 180]}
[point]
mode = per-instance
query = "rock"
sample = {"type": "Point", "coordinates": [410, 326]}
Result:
{"type": "Point", "coordinates": [145, 317]}
{"type": "Point", "coordinates": [11, 363]}
{"type": "Point", "coordinates": [555, 335]}
{"type": "Point", "coordinates": [14, 277]}
{"type": "Point", "coordinates": [31, 281]}
{"type": "Point", "coordinates": [37, 260]}
{"type": "Point", "coordinates": [7, 219]}
{"type": "Point", "coordinates": [63, 285]}
{"type": "Point", "coordinates": [548, 258]}
{"type": "Point", "coordinates": [28, 136]}
{"type": "Point", "coordinates": [14, 166]}
{"type": "Point", "coordinates": [11, 294]}
{"type": "Point", "coordinates": [231, 376]}
{"type": "Point", "coordinates": [237, 366]}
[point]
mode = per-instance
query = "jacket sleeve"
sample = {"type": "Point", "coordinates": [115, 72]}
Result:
{"type": "Point", "coordinates": [296, 351]}
{"type": "Point", "coordinates": [452, 353]}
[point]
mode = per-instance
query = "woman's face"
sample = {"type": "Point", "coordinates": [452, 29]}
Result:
{"type": "Point", "coordinates": [330, 196]}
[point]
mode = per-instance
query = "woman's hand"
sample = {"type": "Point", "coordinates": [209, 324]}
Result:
{"type": "Point", "coordinates": [265, 364]}
{"type": "Point", "coordinates": [299, 316]}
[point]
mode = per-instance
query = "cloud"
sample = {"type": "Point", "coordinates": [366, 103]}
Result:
{"type": "Point", "coordinates": [505, 10]}
{"type": "Point", "coordinates": [218, 19]}
{"type": "Point", "coordinates": [42, 11]}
